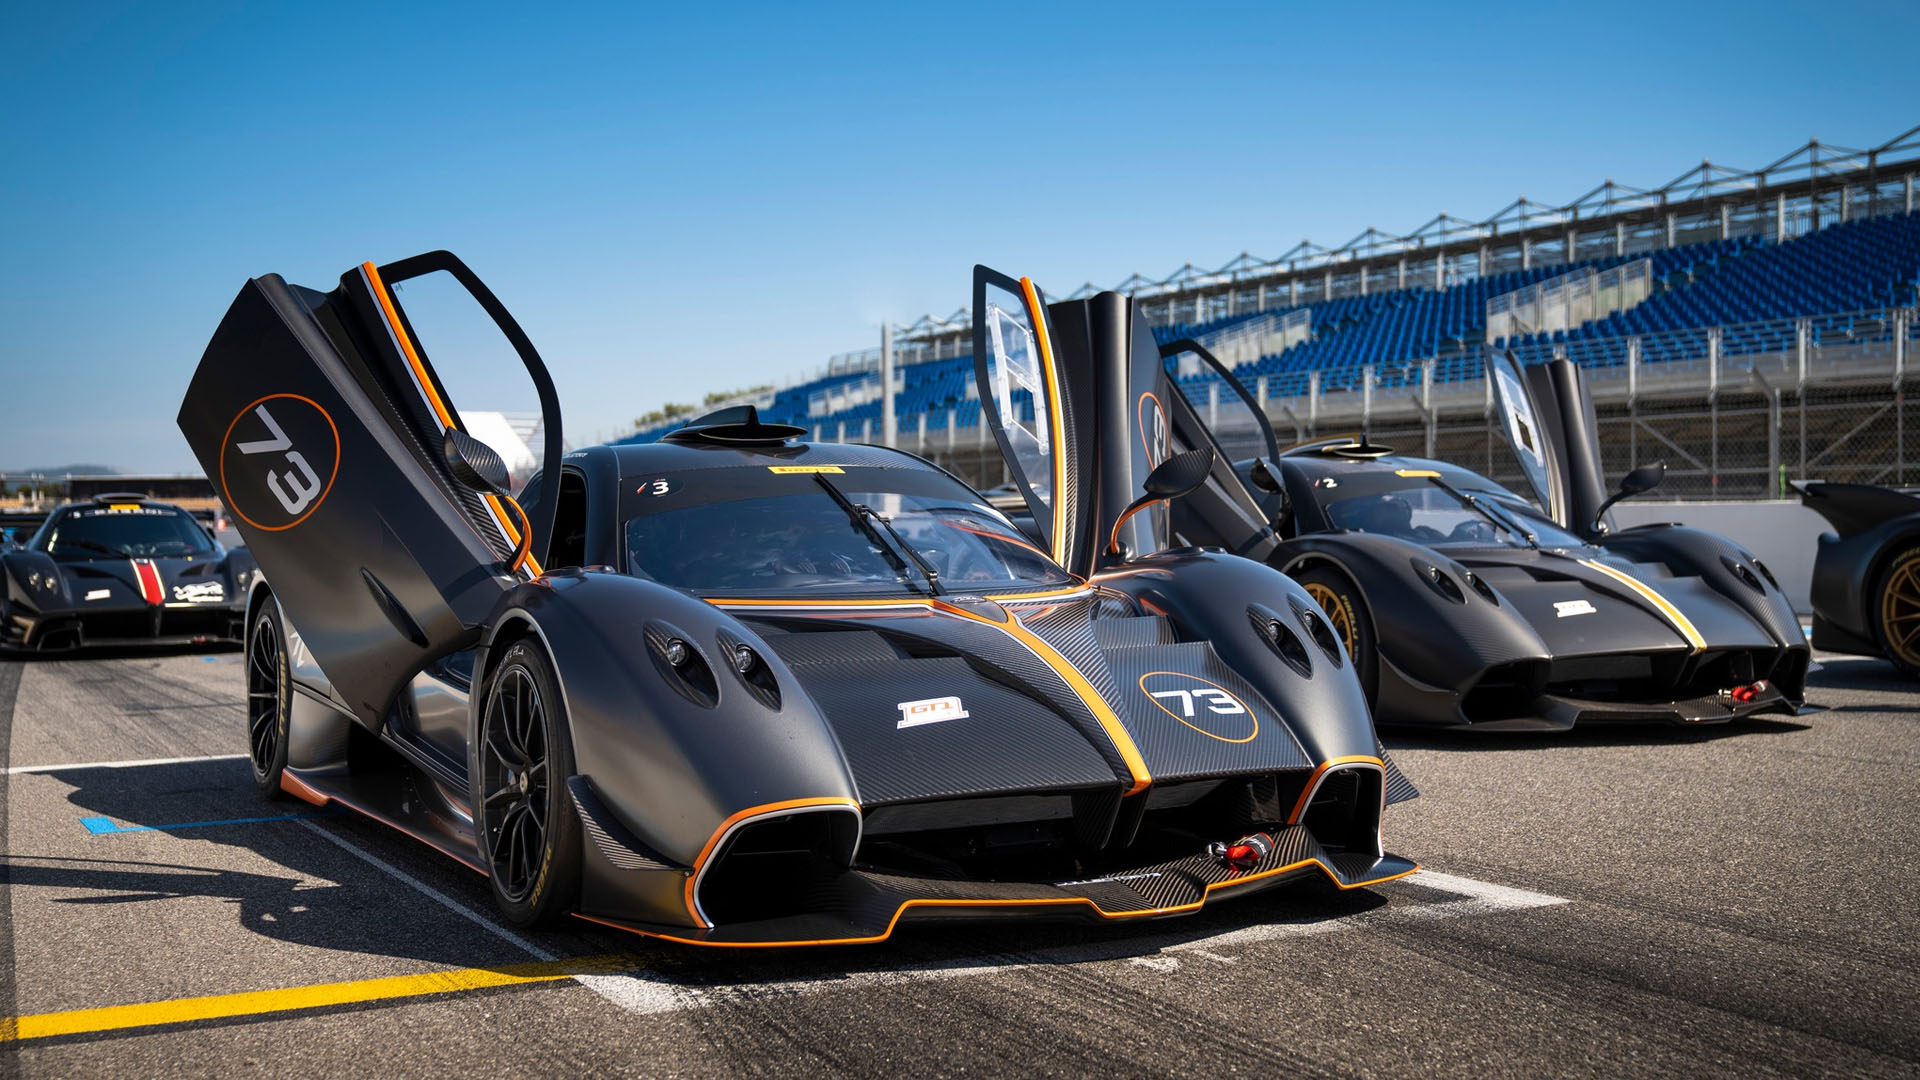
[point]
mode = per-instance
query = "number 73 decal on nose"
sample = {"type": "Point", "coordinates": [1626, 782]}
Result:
{"type": "Point", "coordinates": [1208, 708]}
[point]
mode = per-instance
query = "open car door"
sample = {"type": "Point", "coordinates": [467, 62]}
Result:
{"type": "Point", "coordinates": [1243, 500]}
{"type": "Point", "coordinates": [1547, 416]}
{"type": "Point", "coordinates": [382, 525]}
{"type": "Point", "coordinates": [1033, 407]}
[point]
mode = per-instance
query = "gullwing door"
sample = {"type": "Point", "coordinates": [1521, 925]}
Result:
{"type": "Point", "coordinates": [1035, 411]}
{"type": "Point", "coordinates": [383, 525]}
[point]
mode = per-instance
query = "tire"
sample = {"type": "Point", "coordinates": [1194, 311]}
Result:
{"type": "Point", "coordinates": [528, 831]}
{"type": "Point", "coordinates": [1894, 610]}
{"type": "Point", "coordinates": [1347, 615]}
{"type": "Point", "coordinates": [269, 698]}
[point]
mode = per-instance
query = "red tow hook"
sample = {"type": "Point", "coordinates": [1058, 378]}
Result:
{"type": "Point", "coordinates": [1243, 854]}
{"type": "Point", "coordinates": [1744, 694]}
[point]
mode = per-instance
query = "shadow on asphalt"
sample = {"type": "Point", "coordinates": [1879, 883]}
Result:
{"type": "Point", "coordinates": [1591, 735]}
{"type": "Point", "coordinates": [387, 918]}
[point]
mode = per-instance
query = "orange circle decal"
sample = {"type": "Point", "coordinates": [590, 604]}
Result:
{"type": "Point", "coordinates": [1206, 707]}
{"type": "Point", "coordinates": [278, 461]}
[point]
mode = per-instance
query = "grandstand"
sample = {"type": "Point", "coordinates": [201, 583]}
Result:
{"type": "Point", "coordinates": [1778, 318]}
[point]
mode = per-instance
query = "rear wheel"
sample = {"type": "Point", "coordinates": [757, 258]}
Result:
{"type": "Point", "coordinates": [529, 831]}
{"type": "Point", "coordinates": [269, 699]}
{"type": "Point", "coordinates": [1346, 612]}
{"type": "Point", "coordinates": [1897, 605]}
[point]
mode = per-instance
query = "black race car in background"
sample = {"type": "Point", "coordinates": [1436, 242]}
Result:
{"type": "Point", "coordinates": [120, 570]}
{"type": "Point", "coordinates": [1462, 603]}
{"type": "Point", "coordinates": [1477, 607]}
{"type": "Point", "coordinates": [735, 688]}
{"type": "Point", "coordinates": [1866, 574]}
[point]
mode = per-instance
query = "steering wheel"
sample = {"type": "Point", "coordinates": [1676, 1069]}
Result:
{"type": "Point", "coordinates": [1472, 530]}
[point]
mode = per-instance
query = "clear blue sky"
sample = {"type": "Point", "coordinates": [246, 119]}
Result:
{"type": "Point", "coordinates": [683, 198]}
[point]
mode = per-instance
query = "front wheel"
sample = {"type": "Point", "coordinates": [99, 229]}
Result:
{"type": "Point", "coordinates": [529, 831]}
{"type": "Point", "coordinates": [269, 698]}
{"type": "Point", "coordinates": [1347, 614]}
{"type": "Point", "coordinates": [1896, 595]}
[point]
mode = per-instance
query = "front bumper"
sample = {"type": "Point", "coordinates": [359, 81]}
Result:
{"type": "Point", "coordinates": [60, 631]}
{"type": "Point", "coordinates": [863, 906]}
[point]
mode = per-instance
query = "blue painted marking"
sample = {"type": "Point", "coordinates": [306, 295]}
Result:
{"type": "Point", "coordinates": [101, 826]}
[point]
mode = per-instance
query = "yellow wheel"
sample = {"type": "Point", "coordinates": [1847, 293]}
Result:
{"type": "Point", "coordinates": [1898, 626]}
{"type": "Point", "coordinates": [1347, 614]}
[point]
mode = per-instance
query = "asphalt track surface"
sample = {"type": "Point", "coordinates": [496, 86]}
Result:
{"type": "Point", "coordinates": [1733, 901]}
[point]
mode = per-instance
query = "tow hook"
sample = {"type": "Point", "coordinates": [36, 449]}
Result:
{"type": "Point", "coordinates": [1744, 694]}
{"type": "Point", "coordinates": [1243, 854]}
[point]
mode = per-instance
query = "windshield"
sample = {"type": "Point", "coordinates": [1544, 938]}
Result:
{"type": "Point", "coordinates": [800, 541]}
{"type": "Point", "coordinates": [137, 532]}
{"type": "Point", "coordinates": [1428, 514]}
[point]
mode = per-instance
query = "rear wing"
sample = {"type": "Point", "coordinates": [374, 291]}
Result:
{"type": "Point", "coordinates": [1855, 508]}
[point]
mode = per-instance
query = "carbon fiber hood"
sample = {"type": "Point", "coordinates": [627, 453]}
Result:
{"type": "Point", "coordinates": [928, 704]}
{"type": "Point", "coordinates": [1596, 603]}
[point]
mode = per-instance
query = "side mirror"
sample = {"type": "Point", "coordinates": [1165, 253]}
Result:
{"type": "Point", "coordinates": [1643, 479]}
{"type": "Point", "coordinates": [1638, 482]}
{"type": "Point", "coordinates": [474, 463]}
{"type": "Point", "coordinates": [1179, 475]}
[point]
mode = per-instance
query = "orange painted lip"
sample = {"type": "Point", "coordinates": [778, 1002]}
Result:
{"type": "Point", "coordinates": [763, 810]}
{"type": "Point", "coordinates": [1313, 781]}
{"type": "Point", "coordinates": [1037, 902]}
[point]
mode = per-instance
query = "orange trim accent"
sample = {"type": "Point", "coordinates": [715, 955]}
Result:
{"type": "Point", "coordinates": [1300, 804]}
{"type": "Point", "coordinates": [1054, 419]}
{"type": "Point", "coordinates": [1140, 421]}
{"type": "Point", "coordinates": [1002, 537]}
{"type": "Point", "coordinates": [1109, 722]}
{"type": "Point", "coordinates": [1113, 543]}
{"type": "Point", "coordinates": [873, 601]}
{"type": "Point", "coordinates": [406, 343]}
{"type": "Point", "coordinates": [224, 439]}
{"type": "Point", "coordinates": [1177, 909]}
{"type": "Point", "coordinates": [301, 790]}
{"type": "Point", "coordinates": [522, 544]}
{"type": "Point", "coordinates": [440, 409]}
{"type": "Point", "coordinates": [763, 810]}
{"type": "Point", "coordinates": [1102, 712]}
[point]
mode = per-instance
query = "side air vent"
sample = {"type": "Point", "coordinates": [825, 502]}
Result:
{"type": "Point", "coordinates": [1281, 638]}
{"type": "Point", "coordinates": [1315, 622]}
{"type": "Point", "coordinates": [1739, 570]}
{"type": "Point", "coordinates": [681, 664]}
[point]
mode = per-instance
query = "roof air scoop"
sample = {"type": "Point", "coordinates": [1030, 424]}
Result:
{"type": "Point", "coordinates": [737, 426]}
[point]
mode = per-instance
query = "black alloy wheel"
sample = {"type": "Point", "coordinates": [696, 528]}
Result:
{"type": "Point", "coordinates": [529, 830]}
{"type": "Point", "coordinates": [269, 699]}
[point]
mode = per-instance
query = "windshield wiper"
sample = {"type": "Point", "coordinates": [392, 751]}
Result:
{"type": "Point", "coordinates": [863, 517]}
{"type": "Point", "coordinates": [1500, 519]}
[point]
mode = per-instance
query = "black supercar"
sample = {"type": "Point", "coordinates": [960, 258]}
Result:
{"type": "Point", "coordinates": [737, 688]}
{"type": "Point", "coordinates": [1866, 574]}
{"type": "Point", "coordinates": [1471, 606]}
{"type": "Point", "coordinates": [1462, 603]}
{"type": "Point", "coordinates": [120, 570]}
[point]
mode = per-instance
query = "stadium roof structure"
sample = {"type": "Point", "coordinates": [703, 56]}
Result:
{"type": "Point", "coordinates": [1785, 197]}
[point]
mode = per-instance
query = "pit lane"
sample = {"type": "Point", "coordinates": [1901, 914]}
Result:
{"type": "Point", "coordinates": [1710, 902]}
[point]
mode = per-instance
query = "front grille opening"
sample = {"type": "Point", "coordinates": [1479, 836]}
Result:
{"type": "Point", "coordinates": [777, 867]}
{"type": "Point", "coordinates": [1344, 815]}
{"type": "Point", "coordinates": [1179, 820]}
{"type": "Point", "coordinates": [1643, 680]}
{"type": "Point", "coordinates": [1505, 692]}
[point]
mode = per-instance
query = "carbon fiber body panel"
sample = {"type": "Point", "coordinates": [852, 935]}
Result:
{"type": "Point", "coordinates": [865, 906]}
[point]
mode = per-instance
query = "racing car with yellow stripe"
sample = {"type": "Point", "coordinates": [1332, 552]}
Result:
{"type": "Point", "coordinates": [739, 688]}
{"type": "Point", "coordinates": [1468, 605]}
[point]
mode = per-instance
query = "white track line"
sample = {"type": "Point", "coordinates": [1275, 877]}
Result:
{"type": "Point", "coordinates": [650, 992]}
{"type": "Point", "coordinates": [633, 992]}
{"type": "Point", "coordinates": [16, 770]}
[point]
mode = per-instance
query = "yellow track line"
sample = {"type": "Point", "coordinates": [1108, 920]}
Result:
{"type": "Point", "coordinates": [253, 1003]}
